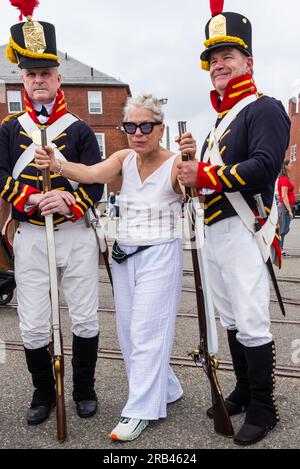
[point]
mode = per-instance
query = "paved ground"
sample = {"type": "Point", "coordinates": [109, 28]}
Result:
{"type": "Point", "coordinates": [186, 426]}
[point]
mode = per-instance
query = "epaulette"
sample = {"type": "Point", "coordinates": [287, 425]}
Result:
{"type": "Point", "coordinates": [12, 116]}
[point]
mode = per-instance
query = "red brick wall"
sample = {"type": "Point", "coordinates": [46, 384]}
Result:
{"type": "Point", "coordinates": [3, 105]}
{"type": "Point", "coordinates": [113, 100]}
{"type": "Point", "coordinates": [295, 140]}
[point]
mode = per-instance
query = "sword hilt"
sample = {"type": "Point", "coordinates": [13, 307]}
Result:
{"type": "Point", "coordinates": [260, 206]}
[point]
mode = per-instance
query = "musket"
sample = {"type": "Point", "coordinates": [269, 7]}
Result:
{"type": "Point", "coordinates": [57, 341]}
{"type": "Point", "coordinates": [206, 354]}
{"type": "Point", "coordinates": [263, 215]}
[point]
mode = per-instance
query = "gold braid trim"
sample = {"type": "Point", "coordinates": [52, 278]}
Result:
{"type": "Point", "coordinates": [11, 55]}
{"type": "Point", "coordinates": [30, 54]}
{"type": "Point", "coordinates": [11, 116]}
{"type": "Point", "coordinates": [205, 66]}
{"type": "Point", "coordinates": [218, 39]}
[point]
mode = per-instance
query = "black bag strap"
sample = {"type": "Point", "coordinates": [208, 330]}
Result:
{"type": "Point", "coordinates": [120, 256]}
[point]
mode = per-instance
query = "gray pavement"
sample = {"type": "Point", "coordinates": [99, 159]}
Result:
{"type": "Point", "coordinates": [186, 426]}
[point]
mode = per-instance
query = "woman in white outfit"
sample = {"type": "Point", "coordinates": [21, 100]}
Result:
{"type": "Point", "coordinates": [147, 270]}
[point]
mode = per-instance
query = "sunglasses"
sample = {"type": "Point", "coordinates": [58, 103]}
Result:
{"type": "Point", "coordinates": [146, 127]}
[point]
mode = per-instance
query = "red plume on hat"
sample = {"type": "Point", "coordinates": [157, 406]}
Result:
{"type": "Point", "coordinates": [26, 7]}
{"type": "Point", "coordinates": [216, 7]}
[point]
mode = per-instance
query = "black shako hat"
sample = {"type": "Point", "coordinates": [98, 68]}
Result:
{"type": "Point", "coordinates": [226, 29]}
{"type": "Point", "coordinates": [32, 43]}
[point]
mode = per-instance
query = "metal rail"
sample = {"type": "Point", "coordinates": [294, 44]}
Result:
{"type": "Point", "coordinates": [282, 371]}
{"type": "Point", "coordinates": [288, 301]}
{"type": "Point", "coordinates": [180, 314]}
{"type": "Point", "coordinates": [187, 272]}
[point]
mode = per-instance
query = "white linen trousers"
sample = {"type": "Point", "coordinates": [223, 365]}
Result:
{"type": "Point", "coordinates": [77, 257]}
{"type": "Point", "coordinates": [147, 290]}
{"type": "Point", "coordinates": [240, 281]}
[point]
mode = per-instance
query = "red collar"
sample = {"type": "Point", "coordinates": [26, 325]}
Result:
{"type": "Point", "coordinates": [237, 89]}
{"type": "Point", "coordinates": [59, 109]}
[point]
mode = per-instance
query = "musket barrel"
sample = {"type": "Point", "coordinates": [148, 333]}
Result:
{"type": "Point", "coordinates": [45, 172]}
{"type": "Point", "coordinates": [182, 130]}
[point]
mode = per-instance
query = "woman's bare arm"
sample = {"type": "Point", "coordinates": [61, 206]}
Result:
{"type": "Point", "coordinates": [103, 172]}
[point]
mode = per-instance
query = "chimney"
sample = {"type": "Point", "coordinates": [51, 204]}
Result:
{"type": "Point", "coordinates": [92, 72]}
{"type": "Point", "coordinates": [292, 107]}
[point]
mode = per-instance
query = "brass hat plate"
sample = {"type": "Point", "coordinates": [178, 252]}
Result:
{"type": "Point", "coordinates": [34, 37]}
{"type": "Point", "coordinates": [218, 26]}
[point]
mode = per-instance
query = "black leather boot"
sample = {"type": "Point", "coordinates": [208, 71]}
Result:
{"type": "Point", "coordinates": [262, 413]}
{"type": "Point", "coordinates": [84, 363]}
{"type": "Point", "coordinates": [238, 401]}
{"type": "Point", "coordinates": [40, 366]}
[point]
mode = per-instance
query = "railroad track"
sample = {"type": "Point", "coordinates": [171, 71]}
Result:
{"type": "Point", "coordinates": [288, 301]}
{"type": "Point", "coordinates": [190, 273]}
{"type": "Point", "coordinates": [281, 371]}
{"type": "Point", "coordinates": [293, 280]}
{"type": "Point", "coordinates": [180, 314]}
{"type": "Point", "coordinates": [279, 278]}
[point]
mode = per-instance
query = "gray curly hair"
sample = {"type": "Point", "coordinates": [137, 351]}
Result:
{"type": "Point", "coordinates": [145, 101]}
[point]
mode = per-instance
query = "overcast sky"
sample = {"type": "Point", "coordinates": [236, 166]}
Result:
{"type": "Point", "coordinates": [154, 46]}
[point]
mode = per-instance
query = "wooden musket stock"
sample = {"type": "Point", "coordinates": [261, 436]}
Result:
{"type": "Point", "coordinates": [222, 422]}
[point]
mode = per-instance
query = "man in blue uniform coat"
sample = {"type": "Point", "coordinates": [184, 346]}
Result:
{"type": "Point", "coordinates": [241, 159]}
{"type": "Point", "coordinates": [33, 47]}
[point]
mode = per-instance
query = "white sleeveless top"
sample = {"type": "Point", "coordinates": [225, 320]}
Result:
{"type": "Point", "coordinates": [148, 211]}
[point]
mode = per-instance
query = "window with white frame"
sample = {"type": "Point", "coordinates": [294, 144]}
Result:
{"type": "Point", "coordinates": [95, 102]}
{"type": "Point", "coordinates": [14, 100]}
{"type": "Point", "coordinates": [101, 142]}
{"type": "Point", "coordinates": [293, 155]}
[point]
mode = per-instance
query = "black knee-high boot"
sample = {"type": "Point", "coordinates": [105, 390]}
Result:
{"type": "Point", "coordinates": [40, 366]}
{"type": "Point", "coordinates": [262, 413]}
{"type": "Point", "coordinates": [238, 401]}
{"type": "Point", "coordinates": [241, 394]}
{"type": "Point", "coordinates": [84, 363]}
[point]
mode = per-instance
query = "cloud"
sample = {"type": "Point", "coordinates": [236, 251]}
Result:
{"type": "Point", "coordinates": [154, 46]}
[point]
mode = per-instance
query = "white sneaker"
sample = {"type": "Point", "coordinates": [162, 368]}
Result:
{"type": "Point", "coordinates": [128, 429]}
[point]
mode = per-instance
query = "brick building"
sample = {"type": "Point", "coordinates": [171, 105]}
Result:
{"type": "Point", "coordinates": [95, 97]}
{"type": "Point", "coordinates": [293, 152]}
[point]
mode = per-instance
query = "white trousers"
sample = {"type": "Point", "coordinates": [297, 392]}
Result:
{"type": "Point", "coordinates": [240, 281]}
{"type": "Point", "coordinates": [147, 289]}
{"type": "Point", "coordinates": [77, 261]}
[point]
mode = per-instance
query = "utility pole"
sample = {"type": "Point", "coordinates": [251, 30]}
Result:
{"type": "Point", "coordinates": [168, 137]}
